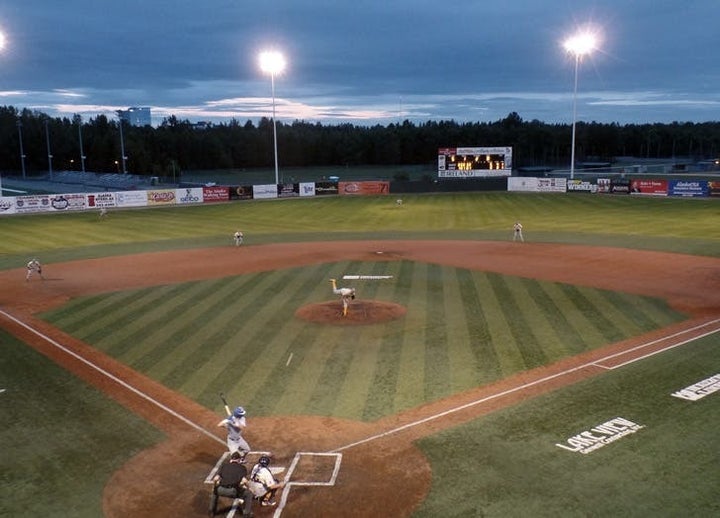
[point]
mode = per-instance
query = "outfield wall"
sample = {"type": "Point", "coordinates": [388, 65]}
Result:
{"type": "Point", "coordinates": [54, 203]}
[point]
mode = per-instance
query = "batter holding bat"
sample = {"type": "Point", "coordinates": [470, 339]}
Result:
{"type": "Point", "coordinates": [235, 424]}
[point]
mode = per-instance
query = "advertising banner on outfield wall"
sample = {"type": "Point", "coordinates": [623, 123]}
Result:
{"type": "Point", "coordinates": [363, 188]}
{"type": "Point", "coordinates": [189, 195]}
{"type": "Point", "coordinates": [531, 184]}
{"type": "Point", "coordinates": [307, 188]}
{"type": "Point", "coordinates": [620, 186]}
{"type": "Point", "coordinates": [215, 193]}
{"type": "Point", "coordinates": [65, 202]}
{"type": "Point", "coordinates": [161, 197]}
{"type": "Point", "coordinates": [32, 203]}
{"type": "Point", "coordinates": [651, 187]}
{"type": "Point", "coordinates": [101, 199]}
{"type": "Point", "coordinates": [326, 188]}
{"type": "Point", "coordinates": [581, 186]}
{"type": "Point", "coordinates": [241, 192]}
{"type": "Point", "coordinates": [690, 188]}
{"type": "Point", "coordinates": [268, 191]}
{"type": "Point", "coordinates": [714, 188]}
{"type": "Point", "coordinates": [131, 199]}
{"type": "Point", "coordinates": [288, 190]}
{"type": "Point", "coordinates": [7, 206]}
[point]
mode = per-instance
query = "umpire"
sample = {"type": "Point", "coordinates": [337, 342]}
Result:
{"type": "Point", "coordinates": [231, 481]}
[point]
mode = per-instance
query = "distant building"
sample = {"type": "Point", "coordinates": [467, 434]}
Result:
{"type": "Point", "coordinates": [136, 116]}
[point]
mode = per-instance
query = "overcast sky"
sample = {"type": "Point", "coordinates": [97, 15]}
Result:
{"type": "Point", "coordinates": [364, 61]}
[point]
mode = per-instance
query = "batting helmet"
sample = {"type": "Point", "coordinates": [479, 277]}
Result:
{"type": "Point", "coordinates": [264, 461]}
{"type": "Point", "coordinates": [239, 412]}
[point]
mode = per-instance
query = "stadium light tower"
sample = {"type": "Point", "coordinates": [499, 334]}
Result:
{"type": "Point", "coordinates": [273, 63]}
{"type": "Point", "coordinates": [2, 47]}
{"type": "Point", "coordinates": [579, 45]}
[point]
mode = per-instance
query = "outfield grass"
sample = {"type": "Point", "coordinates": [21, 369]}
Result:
{"type": "Point", "coordinates": [669, 468]}
{"type": "Point", "coordinates": [682, 225]}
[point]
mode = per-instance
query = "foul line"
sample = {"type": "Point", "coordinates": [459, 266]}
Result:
{"type": "Point", "coordinates": [114, 378]}
{"type": "Point", "coordinates": [658, 340]}
{"type": "Point", "coordinates": [525, 386]}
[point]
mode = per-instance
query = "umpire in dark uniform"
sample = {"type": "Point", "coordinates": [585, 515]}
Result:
{"type": "Point", "coordinates": [231, 481]}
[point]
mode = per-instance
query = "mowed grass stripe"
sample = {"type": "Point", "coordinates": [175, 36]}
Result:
{"type": "Point", "coordinates": [141, 325]}
{"type": "Point", "coordinates": [183, 341]}
{"type": "Point", "coordinates": [569, 339]}
{"type": "Point", "coordinates": [105, 325]}
{"type": "Point", "coordinates": [581, 323]}
{"type": "Point", "coordinates": [537, 319]}
{"type": "Point", "coordinates": [265, 333]}
{"type": "Point", "coordinates": [90, 309]}
{"type": "Point", "coordinates": [162, 326]}
{"type": "Point", "coordinates": [239, 346]}
{"type": "Point", "coordinates": [437, 363]}
{"type": "Point", "coordinates": [247, 333]}
{"type": "Point", "coordinates": [411, 381]}
{"type": "Point", "coordinates": [641, 311]}
{"type": "Point", "coordinates": [380, 400]}
{"type": "Point", "coordinates": [473, 306]}
{"type": "Point", "coordinates": [585, 306]}
{"type": "Point", "coordinates": [532, 352]}
{"type": "Point", "coordinates": [259, 356]}
{"type": "Point", "coordinates": [462, 362]}
{"type": "Point", "coordinates": [623, 324]}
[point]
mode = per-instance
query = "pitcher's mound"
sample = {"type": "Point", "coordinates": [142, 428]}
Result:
{"type": "Point", "coordinates": [360, 312]}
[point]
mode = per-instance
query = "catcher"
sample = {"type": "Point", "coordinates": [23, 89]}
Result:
{"type": "Point", "coordinates": [263, 483]}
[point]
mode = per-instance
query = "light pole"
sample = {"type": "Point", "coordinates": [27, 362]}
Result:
{"type": "Point", "coordinates": [272, 62]}
{"type": "Point", "coordinates": [22, 152]}
{"type": "Point", "coordinates": [122, 142]}
{"type": "Point", "coordinates": [47, 139]}
{"type": "Point", "coordinates": [2, 46]}
{"type": "Point", "coordinates": [578, 45]}
{"type": "Point", "coordinates": [78, 119]}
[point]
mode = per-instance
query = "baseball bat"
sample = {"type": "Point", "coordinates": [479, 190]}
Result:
{"type": "Point", "coordinates": [227, 407]}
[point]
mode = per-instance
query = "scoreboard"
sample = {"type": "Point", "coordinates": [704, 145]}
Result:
{"type": "Point", "coordinates": [474, 162]}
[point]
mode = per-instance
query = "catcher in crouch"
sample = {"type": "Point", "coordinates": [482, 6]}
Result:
{"type": "Point", "coordinates": [346, 295]}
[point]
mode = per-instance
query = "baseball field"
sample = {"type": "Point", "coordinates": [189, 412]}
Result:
{"type": "Point", "coordinates": [573, 374]}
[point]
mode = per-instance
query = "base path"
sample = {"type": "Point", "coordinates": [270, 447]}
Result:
{"type": "Point", "coordinates": [688, 283]}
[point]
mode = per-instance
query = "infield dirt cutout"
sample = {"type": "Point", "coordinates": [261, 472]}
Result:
{"type": "Point", "coordinates": [166, 480]}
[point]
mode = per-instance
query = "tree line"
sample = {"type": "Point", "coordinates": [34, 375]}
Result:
{"type": "Point", "coordinates": [177, 145]}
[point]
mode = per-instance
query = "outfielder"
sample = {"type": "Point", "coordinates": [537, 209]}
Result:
{"type": "Point", "coordinates": [236, 424]}
{"type": "Point", "coordinates": [34, 266]}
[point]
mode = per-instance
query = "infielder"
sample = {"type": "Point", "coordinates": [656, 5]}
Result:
{"type": "Point", "coordinates": [517, 232]}
{"type": "Point", "coordinates": [235, 425]}
{"type": "Point", "coordinates": [238, 237]}
{"type": "Point", "coordinates": [34, 266]}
